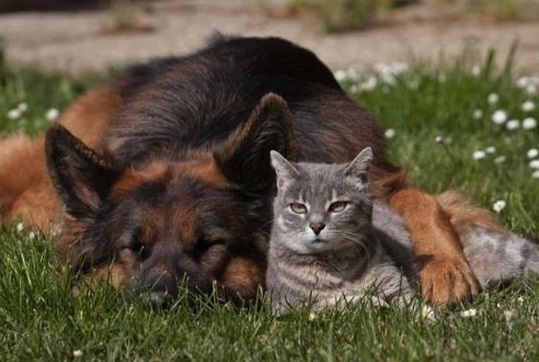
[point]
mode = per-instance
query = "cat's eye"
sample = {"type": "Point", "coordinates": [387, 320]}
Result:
{"type": "Point", "coordinates": [338, 206]}
{"type": "Point", "coordinates": [298, 208]}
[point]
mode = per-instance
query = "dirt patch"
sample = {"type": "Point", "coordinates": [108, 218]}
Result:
{"type": "Point", "coordinates": [74, 41]}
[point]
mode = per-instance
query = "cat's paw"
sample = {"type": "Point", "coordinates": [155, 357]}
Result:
{"type": "Point", "coordinates": [447, 282]}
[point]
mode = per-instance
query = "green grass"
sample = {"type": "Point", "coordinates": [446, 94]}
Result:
{"type": "Point", "coordinates": [41, 320]}
{"type": "Point", "coordinates": [427, 103]}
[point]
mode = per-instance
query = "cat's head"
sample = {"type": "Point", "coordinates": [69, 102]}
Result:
{"type": "Point", "coordinates": [321, 207]}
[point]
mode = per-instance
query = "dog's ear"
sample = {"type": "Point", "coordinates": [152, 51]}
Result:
{"type": "Point", "coordinates": [245, 156]}
{"type": "Point", "coordinates": [81, 177]}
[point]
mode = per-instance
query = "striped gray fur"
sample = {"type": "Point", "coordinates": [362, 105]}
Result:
{"type": "Point", "coordinates": [331, 244]}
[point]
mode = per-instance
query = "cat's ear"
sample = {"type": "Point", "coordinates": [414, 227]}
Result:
{"type": "Point", "coordinates": [359, 167]}
{"type": "Point", "coordinates": [81, 177]}
{"type": "Point", "coordinates": [286, 172]}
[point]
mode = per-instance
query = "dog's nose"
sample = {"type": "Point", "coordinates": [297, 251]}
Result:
{"type": "Point", "coordinates": [159, 291]}
{"type": "Point", "coordinates": [157, 298]}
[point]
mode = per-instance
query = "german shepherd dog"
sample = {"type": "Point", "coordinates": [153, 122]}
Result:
{"type": "Point", "coordinates": [162, 176]}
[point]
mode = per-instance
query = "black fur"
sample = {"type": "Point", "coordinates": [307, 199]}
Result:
{"type": "Point", "coordinates": [216, 105]}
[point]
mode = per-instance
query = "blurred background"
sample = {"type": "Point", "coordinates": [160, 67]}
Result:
{"type": "Point", "coordinates": [91, 35]}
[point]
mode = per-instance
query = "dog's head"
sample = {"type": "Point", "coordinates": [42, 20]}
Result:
{"type": "Point", "coordinates": [201, 221]}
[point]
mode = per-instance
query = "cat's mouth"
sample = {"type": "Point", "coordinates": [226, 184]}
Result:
{"type": "Point", "coordinates": [318, 242]}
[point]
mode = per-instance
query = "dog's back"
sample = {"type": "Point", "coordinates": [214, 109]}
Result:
{"type": "Point", "coordinates": [197, 101]}
{"type": "Point", "coordinates": [177, 104]}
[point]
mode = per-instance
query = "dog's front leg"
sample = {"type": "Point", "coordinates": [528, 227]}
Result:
{"type": "Point", "coordinates": [445, 275]}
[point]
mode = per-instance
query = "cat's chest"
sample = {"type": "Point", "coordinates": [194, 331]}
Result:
{"type": "Point", "coordinates": [346, 272]}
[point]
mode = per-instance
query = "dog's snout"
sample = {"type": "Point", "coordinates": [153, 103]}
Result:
{"type": "Point", "coordinates": [159, 291]}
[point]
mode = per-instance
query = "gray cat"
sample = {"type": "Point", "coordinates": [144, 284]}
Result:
{"type": "Point", "coordinates": [332, 244]}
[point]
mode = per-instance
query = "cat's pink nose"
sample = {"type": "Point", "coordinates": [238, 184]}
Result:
{"type": "Point", "coordinates": [317, 227]}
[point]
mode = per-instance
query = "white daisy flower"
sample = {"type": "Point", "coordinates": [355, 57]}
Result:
{"type": "Point", "coordinates": [534, 164]}
{"type": "Point", "coordinates": [399, 68]}
{"type": "Point", "coordinates": [413, 84]}
{"type": "Point", "coordinates": [493, 98]}
{"type": "Point", "coordinates": [469, 313]}
{"type": "Point", "coordinates": [529, 84]}
{"type": "Point", "coordinates": [427, 312]}
{"type": "Point", "coordinates": [390, 133]}
{"type": "Point", "coordinates": [528, 106]}
{"type": "Point", "coordinates": [476, 70]}
{"type": "Point", "coordinates": [52, 114]}
{"type": "Point", "coordinates": [500, 159]}
{"type": "Point", "coordinates": [512, 124]}
{"type": "Point", "coordinates": [389, 79]}
{"type": "Point", "coordinates": [490, 149]}
{"type": "Point", "coordinates": [510, 316]}
{"type": "Point", "coordinates": [529, 123]}
{"type": "Point", "coordinates": [523, 82]}
{"type": "Point", "coordinates": [477, 114]}
{"type": "Point", "coordinates": [340, 75]}
{"type": "Point", "coordinates": [498, 206]}
{"type": "Point", "coordinates": [388, 71]}
{"type": "Point", "coordinates": [14, 114]}
{"type": "Point", "coordinates": [532, 153]}
{"type": "Point", "coordinates": [23, 107]}
{"type": "Point", "coordinates": [352, 73]}
{"type": "Point", "coordinates": [499, 117]}
{"type": "Point", "coordinates": [370, 83]}
{"type": "Point", "coordinates": [535, 174]}
{"type": "Point", "coordinates": [478, 155]}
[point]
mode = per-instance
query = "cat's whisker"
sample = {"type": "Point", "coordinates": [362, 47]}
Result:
{"type": "Point", "coordinates": [356, 241]}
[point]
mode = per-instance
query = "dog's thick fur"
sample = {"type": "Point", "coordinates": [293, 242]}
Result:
{"type": "Point", "coordinates": [163, 174]}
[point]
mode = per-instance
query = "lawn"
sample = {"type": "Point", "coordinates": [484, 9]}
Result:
{"type": "Point", "coordinates": [453, 126]}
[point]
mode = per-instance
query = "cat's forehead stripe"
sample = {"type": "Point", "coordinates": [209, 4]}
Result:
{"type": "Point", "coordinates": [323, 185]}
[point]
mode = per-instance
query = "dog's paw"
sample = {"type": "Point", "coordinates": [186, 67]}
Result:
{"type": "Point", "coordinates": [446, 282]}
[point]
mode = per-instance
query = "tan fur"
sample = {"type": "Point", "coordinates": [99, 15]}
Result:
{"type": "Point", "coordinates": [26, 191]}
{"type": "Point", "coordinates": [203, 168]}
{"type": "Point", "coordinates": [131, 178]}
{"type": "Point", "coordinates": [71, 228]}
{"type": "Point", "coordinates": [243, 275]}
{"type": "Point", "coordinates": [88, 117]}
{"type": "Point", "coordinates": [114, 275]}
{"type": "Point", "coordinates": [464, 213]}
{"type": "Point", "coordinates": [445, 275]}
{"type": "Point", "coordinates": [385, 183]}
